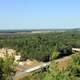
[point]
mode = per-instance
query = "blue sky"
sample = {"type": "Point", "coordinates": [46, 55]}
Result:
{"type": "Point", "coordinates": [39, 14]}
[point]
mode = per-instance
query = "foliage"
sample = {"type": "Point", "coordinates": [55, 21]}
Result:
{"type": "Point", "coordinates": [39, 45]}
{"type": "Point", "coordinates": [7, 68]}
{"type": "Point", "coordinates": [55, 54]}
{"type": "Point", "coordinates": [42, 47]}
{"type": "Point", "coordinates": [71, 72]}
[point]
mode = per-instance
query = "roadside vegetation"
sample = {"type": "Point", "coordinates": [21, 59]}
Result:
{"type": "Point", "coordinates": [57, 72]}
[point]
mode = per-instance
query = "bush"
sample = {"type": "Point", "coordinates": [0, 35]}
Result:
{"type": "Point", "coordinates": [65, 51]}
{"type": "Point", "coordinates": [55, 54]}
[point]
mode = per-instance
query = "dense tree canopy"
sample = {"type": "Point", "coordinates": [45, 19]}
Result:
{"type": "Point", "coordinates": [42, 44]}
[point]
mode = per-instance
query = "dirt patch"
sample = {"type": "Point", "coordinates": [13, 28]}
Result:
{"type": "Point", "coordinates": [63, 63]}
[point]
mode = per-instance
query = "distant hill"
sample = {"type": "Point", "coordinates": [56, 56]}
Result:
{"type": "Point", "coordinates": [38, 30]}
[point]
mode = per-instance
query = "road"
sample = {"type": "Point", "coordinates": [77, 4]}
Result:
{"type": "Point", "coordinates": [26, 71]}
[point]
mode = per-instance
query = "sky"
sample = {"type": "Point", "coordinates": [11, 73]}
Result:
{"type": "Point", "coordinates": [39, 14]}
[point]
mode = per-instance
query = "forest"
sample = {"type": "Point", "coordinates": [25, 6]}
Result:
{"type": "Point", "coordinates": [42, 45]}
